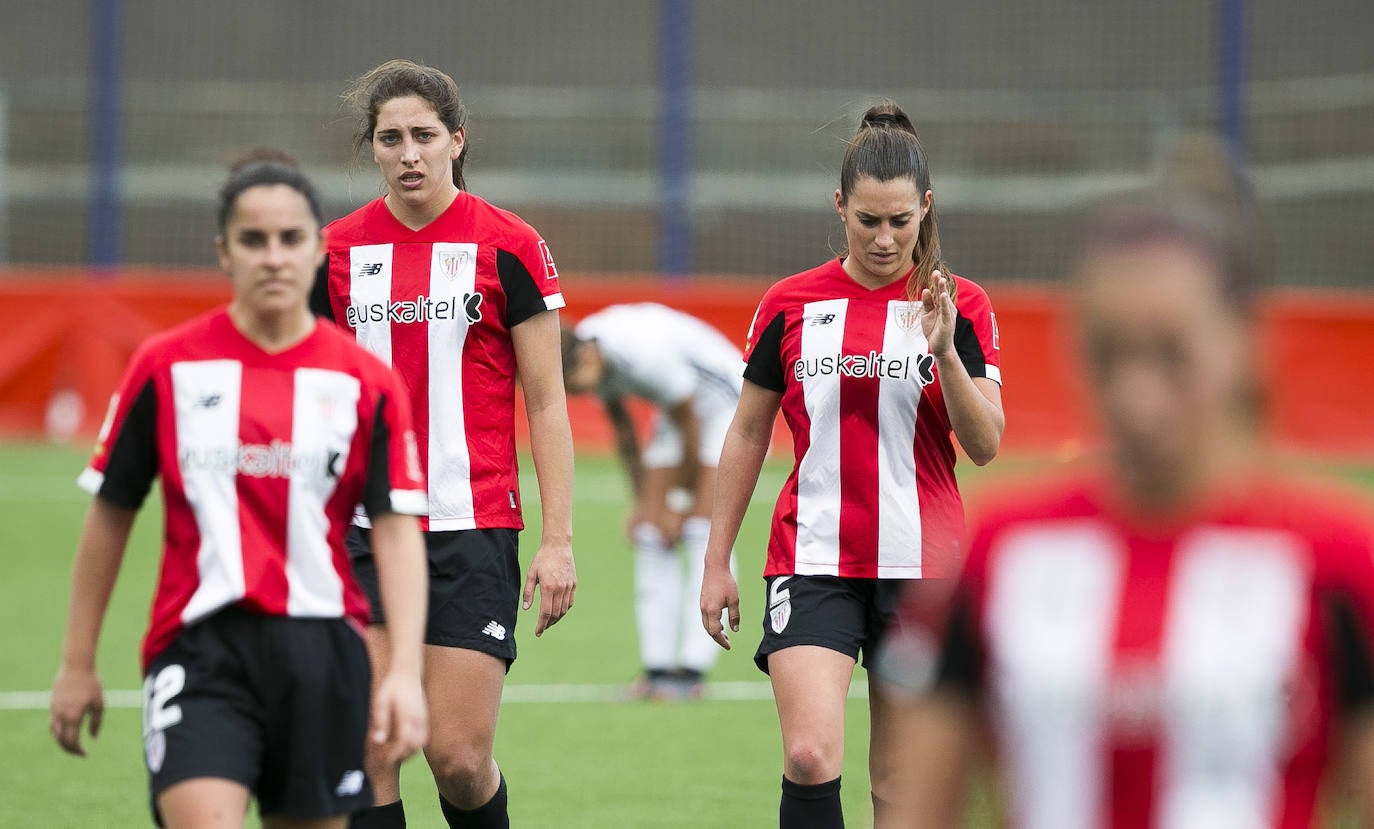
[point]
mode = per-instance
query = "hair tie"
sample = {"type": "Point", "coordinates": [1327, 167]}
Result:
{"type": "Point", "coordinates": [883, 119]}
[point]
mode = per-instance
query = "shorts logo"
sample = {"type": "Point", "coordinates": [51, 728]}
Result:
{"type": "Point", "coordinates": [779, 605]}
{"type": "Point", "coordinates": [495, 631]}
{"type": "Point", "coordinates": [907, 315]}
{"type": "Point", "coordinates": [155, 750]}
{"type": "Point", "coordinates": [350, 784]}
{"type": "Point", "coordinates": [453, 264]}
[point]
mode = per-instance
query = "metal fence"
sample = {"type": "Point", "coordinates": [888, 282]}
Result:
{"type": "Point", "coordinates": [694, 135]}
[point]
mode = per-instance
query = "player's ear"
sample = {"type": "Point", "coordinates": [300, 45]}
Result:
{"type": "Point", "coordinates": [222, 251]}
{"type": "Point", "coordinates": [460, 140]}
{"type": "Point", "coordinates": [926, 202]}
{"type": "Point", "coordinates": [839, 203]}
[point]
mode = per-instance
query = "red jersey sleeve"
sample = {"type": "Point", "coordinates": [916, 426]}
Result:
{"type": "Point", "coordinates": [975, 332]}
{"type": "Point", "coordinates": [125, 461]}
{"type": "Point", "coordinates": [763, 345]}
{"type": "Point", "coordinates": [395, 482]}
{"type": "Point", "coordinates": [529, 278]}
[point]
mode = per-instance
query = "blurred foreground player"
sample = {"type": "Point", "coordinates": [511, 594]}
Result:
{"type": "Point", "coordinates": [1183, 638]}
{"type": "Point", "coordinates": [461, 298]}
{"type": "Point", "coordinates": [875, 359]}
{"type": "Point", "coordinates": [691, 373]}
{"type": "Point", "coordinates": [266, 429]}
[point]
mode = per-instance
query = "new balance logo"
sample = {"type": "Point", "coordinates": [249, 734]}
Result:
{"type": "Point", "coordinates": [495, 631]}
{"type": "Point", "coordinates": [209, 401]}
{"type": "Point", "coordinates": [370, 269]}
{"type": "Point", "coordinates": [350, 784]}
{"type": "Point", "coordinates": [821, 319]}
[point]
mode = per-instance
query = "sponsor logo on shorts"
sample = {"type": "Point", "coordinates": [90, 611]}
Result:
{"type": "Point", "coordinates": [350, 784]}
{"type": "Point", "coordinates": [779, 604]}
{"type": "Point", "coordinates": [420, 309]}
{"type": "Point", "coordinates": [495, 631]}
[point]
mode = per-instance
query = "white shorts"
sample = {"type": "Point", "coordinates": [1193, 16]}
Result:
{"type": "Point", "coordinates": [665, 445]}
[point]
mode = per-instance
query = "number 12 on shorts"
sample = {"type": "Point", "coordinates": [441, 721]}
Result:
{"type": "Point", "coordinates": [158, 690]}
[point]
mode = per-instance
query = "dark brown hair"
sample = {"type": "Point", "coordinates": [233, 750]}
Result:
{"type": "Point", "coordinates": [887, 147]}
{"type": "Point", "coordinates": [399, 79]}
{"type": "Point", "coordinates": [262, 167]}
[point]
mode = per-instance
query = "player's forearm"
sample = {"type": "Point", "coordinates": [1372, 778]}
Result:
{"type": "Point", "coordinates": [551, 446]}
{"type": "Point", "coordinates": [741, 459]}
{"type": "Point", "coordinates": [688, 471]}
{"type": "Point", "coordinates": [403, 573]}
{"type": "Point", "coordinates": [627, 446]}
{"type": "Point", "coordinates": [977, 422]}
{"type": "Point", "coordinates": [99, 554]}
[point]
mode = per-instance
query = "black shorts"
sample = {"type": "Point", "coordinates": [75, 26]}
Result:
{"type": "Point", "coordinates": [276, 703]}
{"type": "Point", "coordinates": [474, 587]}
{"type": "Point", "coordinates": [843, 614]}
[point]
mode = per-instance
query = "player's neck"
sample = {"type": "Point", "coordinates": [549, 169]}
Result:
{"type": "Point", "coordinates": [859, 274]}
{"type": "Point", "coordinates": [419, 216]}
{"type": "Point", "coordinates": [1195, 481]}
{"type": "Point", "coordinates": [272, 332]}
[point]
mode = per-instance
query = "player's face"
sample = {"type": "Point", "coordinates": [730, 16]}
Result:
{"type": "Point", "coordinates": [881, 221]}
{"type": "Point", "coordinates": [270, 248]}
{"type": "Point", "coordinates": [415, 151]}
{"type": "Point", "coordinates": [1167, 359]}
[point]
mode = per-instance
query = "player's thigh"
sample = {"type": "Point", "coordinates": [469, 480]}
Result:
{"type": "Point", "coordinates": [811, 687]}
{"type": "Point", "coordinates": [203, 803]}
{"type": "Point", "coordinates": [463, 688]}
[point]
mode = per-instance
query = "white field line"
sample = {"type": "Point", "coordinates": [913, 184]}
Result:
{"type": "Point", "coordinates": [740, 691]}
{"type": "Point", "coordinates": [599, 488]}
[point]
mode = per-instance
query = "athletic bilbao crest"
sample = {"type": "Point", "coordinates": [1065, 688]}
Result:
{"type": "Point", "coordinates": [454, 263]}
{"type": "Point", "coordinates": [779, 604]}
{"type": "Point", "coordinates": [907, 315]}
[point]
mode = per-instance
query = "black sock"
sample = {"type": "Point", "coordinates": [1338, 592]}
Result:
{"type": "Point", "coordinates": [492, 815]}
{"type": "Point", "coordinates": [390, 816]}
{"type": "Point", "coordinates": [810, 807]}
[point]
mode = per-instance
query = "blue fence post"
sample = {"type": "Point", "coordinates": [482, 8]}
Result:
{"type": "Point", "coordinates": [675, 136]}
{"type": "Point", "coordinates": [106, 108]}
{"type": "Point", "coordinates": [1232, 57]}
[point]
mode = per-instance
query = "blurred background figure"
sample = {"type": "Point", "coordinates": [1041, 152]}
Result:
{"type": "Point", "coordinates": [1182, 636]}
{"type": "Point", "coordinates": [690, 373]}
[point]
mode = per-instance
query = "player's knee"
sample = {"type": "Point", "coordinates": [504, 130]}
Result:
{"type": "Point", "coordinates": [460, 767]}
{"type": "Point", "coordinates": [810, 762]}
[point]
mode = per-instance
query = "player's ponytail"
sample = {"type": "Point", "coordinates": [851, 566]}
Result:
{"type": "Point", "coordinates": [400, 79]}
{"type": "Point", "coordinates": [260, 167]}
{"type": "Point", "coordinates": [886, 147]}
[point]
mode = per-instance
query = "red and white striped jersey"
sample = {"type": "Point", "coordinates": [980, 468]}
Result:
{"type": "Point", "coordinates": [438, 305]}
{"type": "Point", "coordinates": [873, 493]}
{"type": "Point", "coordinates": [263, 458]}
{"type": "Point", "coordinates": [1165, 673]}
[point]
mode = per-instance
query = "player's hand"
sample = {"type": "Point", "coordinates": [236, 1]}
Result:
{"type": "Point", "coordinates": [75, 693]}
{"type": "Point", "coordinates": [400, 721]}
{"type": "Point", "coordinates": [553, 571]}
{"type": "Point", "coordinates": [719, 598]}
{"type": "Point", "coordinates": [669, 525]}
{"type": "Point", "coordinates": [938, 314]}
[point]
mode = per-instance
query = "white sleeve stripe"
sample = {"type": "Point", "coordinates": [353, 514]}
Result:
{"type": "Point", "coordinates": [409, 501]}
{"type": "Point", "coordinates": [993, 373]}
{"type": "Point", "coordinates": [553, 302]}
{"type": "Point", "coordinates": [91, 480]}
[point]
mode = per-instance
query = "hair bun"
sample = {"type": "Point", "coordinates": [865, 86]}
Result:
{"type": "Point", "coordinates": [887, 116]}
{"type": "Point", "coordinates": [261, 155]}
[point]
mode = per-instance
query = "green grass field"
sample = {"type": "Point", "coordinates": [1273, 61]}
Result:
{"type": "Point", "coordinates": [572, 758]}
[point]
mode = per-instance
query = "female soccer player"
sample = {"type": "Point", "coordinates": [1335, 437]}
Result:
{"type": "Point", "coordinates": [691, 372]}
{"type": "Point", "coordinates": [266, 428]}
{"type": "Point", "coordinates": [459, 297]}
{"type": "Point", "coordinates": [1179, 639]}
{"type": "Point", "coordinates": [873, 358]}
